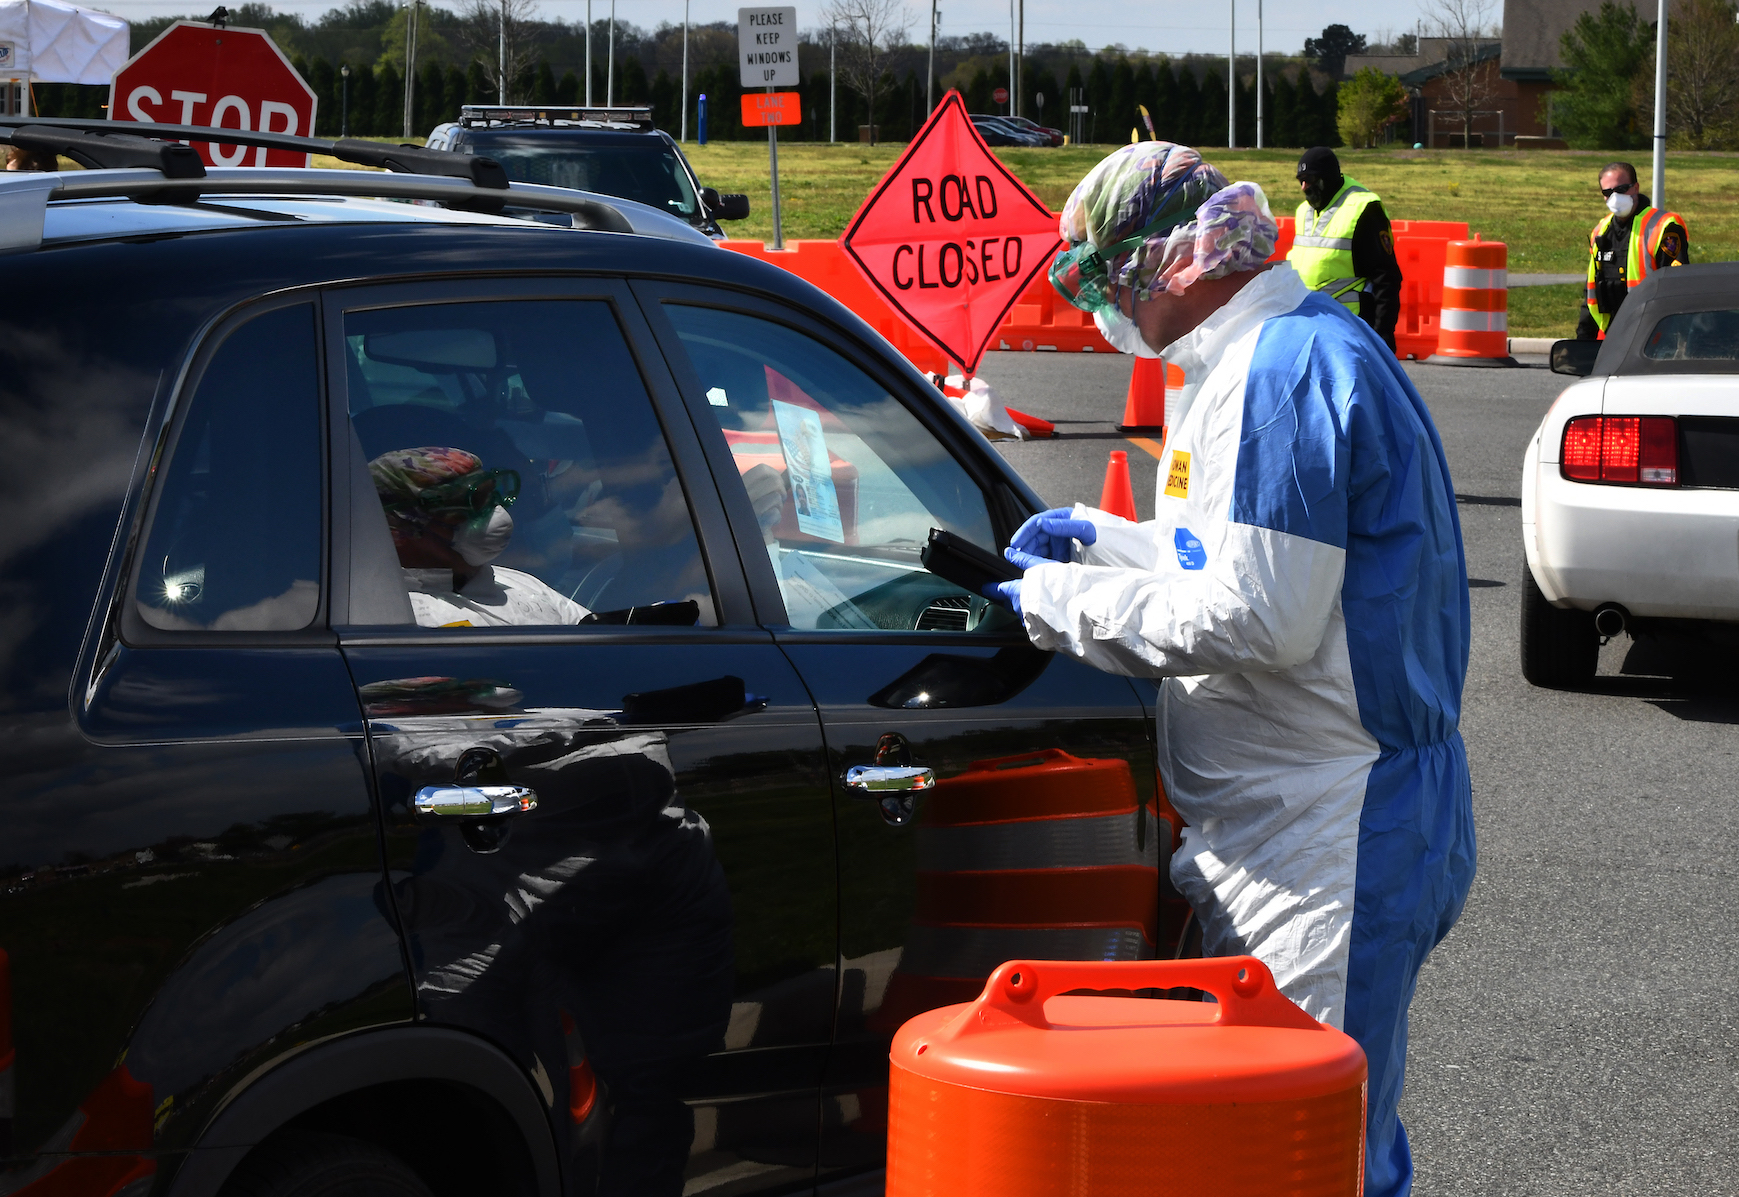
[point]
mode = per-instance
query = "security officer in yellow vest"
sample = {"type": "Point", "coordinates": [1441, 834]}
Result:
{"type": "Point", "coordinates": [1631, 243]}
{"type": "Point", "coordinates": [1343, 244]}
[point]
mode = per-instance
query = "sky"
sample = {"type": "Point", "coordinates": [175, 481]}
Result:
{"type": "Point", "coordinates": [1171, 26]}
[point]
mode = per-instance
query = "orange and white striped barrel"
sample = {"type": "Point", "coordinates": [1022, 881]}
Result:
{"type": "Point", "coordinates": [1476, 300]}
{"type": "Point", "coordinates": [1046, 855]}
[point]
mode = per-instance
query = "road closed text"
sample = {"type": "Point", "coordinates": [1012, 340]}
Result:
{"type": "Point", "coordinates": [954, 199]}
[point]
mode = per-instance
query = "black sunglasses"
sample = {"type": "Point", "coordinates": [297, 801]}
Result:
{"type": "Point", "coordinates": [1621, 189]}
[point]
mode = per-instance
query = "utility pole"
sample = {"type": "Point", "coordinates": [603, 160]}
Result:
{"type": "Point", "coordinates": [833, 85]}
{"type": "Point", "coordinates": [588, 53]}
{"type": "Point", "coordinates": [1660, 108]}
{"type": "Point", "coordinates": [410, 60]}
{"type": "Point", "coordinates": [610, 67]}
{"type": "Point", "coordinates": [1258, 74]}
{"type": "Point", "coordinates": [1020, 60]}
{"type": "Point", "coordinates": [1232, 83]}
{"type": "Point", "coordinates": [773, 167]}
{"type": "Point", "coordinates": [344, 125]}
{"type": "Point", "coordinates": [501, 58]}
{"type": "Point", "coordinates": [1011, 36]}
{"type": "Point", "coordinates": [684, 136]}
{"type": "Point", "coordinates": [930, 79]}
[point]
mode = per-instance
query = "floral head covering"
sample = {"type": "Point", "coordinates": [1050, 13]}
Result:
{"type": "Point", "coordinates": [1233, 231]}
{"type": "Point", "coordinates": [1121, 218]}
{"type": "Point", "coordinates": [432, 489]}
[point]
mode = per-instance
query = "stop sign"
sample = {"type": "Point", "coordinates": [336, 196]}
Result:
{"type": "Point", "coordinates": [1000, 95]}
{"type": "Point", "coordinates": [195, 74]}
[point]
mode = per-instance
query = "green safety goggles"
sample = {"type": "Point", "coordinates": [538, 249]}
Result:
{"type": "Point", "coordinates": [1082, 273]}
{"type": "Point", "coordinates": [472, 493]}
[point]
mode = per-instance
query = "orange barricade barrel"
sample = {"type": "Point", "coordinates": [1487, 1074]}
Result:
{"type": "Point", "coordinates": [1024, 1091]}
{"type": "Point", "coordinates": [1043, 854]}
{"type": "Point", "coordinates": [1419, 248]}
{"type": "Point", "coordinates": [1475, 321]}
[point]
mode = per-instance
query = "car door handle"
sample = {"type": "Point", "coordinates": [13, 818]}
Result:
{"type": "Point", "coordinates": [867, 781]}
{"type": "Point", "coordinates": [472, 802]}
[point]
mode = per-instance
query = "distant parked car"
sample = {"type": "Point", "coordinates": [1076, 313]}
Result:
{"type": "Point", "coordinates": [1630, 488]}
{"type": "Point", "coordinates": [1054, 136]}
{"type": "Point", "coordinates": [998, 132]}
{"type": "Point", "coordinates": [610, 151]}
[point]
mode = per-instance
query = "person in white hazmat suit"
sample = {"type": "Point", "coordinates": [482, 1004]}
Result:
{"type": "Point", "coordinates": [1302, 591]}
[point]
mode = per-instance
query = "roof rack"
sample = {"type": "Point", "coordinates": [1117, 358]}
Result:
{"type": "Point", "coordinates": [635, 119]}
{"type": "Point", "coordinates": [107, 144]}
{"type": "Point", "coordinates": [148, 163]}
{"type": "Point", "coordinates": [25, 195]}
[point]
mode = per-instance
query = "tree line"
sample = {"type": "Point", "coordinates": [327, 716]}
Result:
{"type": "Point", "coordinates": [455, 65]}
{"type": "Point", "coordinates": [1606, 89]}
{"type": "Point", "coordinates": [1183, 107]}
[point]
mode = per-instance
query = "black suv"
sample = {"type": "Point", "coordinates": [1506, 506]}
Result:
{"type": "Point", "coordinates": [477, 718]}
{"type": "Point", "coordinates": [610, 151]}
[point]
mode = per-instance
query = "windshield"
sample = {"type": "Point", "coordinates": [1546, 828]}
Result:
{"type": "Point", "coordinates": [649, 174]}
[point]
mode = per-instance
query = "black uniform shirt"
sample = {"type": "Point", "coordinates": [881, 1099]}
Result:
{"type": "Point", "coordinates": [1374, 261]}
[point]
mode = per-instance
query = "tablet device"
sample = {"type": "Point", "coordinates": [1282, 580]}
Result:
{"type": "Point", "coordinates": [963, 563]}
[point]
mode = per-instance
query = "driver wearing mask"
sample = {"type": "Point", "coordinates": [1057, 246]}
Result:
{"type": "Point", "coordinates": [449, 519]}
{"type": "Point", "coordinates": [1630, 243]}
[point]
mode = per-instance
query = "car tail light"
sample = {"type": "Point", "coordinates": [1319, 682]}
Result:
{"type": "Point", "coordinates": [1635, 449]}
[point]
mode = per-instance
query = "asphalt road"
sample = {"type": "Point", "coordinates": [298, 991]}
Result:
{"type": "Point", "coordinates": [1578, 1032]}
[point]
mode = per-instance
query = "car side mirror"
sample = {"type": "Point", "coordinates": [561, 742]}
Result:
{"type": "Point", "coordinates": [733, 207]}
{"type": "Point", "coordinates": [1574, 357]}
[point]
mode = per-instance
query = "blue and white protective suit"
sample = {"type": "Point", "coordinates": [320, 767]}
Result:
{"type": "Point", "coordinates": [1303, 591]}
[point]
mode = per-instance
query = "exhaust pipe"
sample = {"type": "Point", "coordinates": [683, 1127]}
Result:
{"type": "Point", "coordinates": [1609, 620]}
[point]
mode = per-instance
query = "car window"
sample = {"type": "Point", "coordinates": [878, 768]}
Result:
{"type": "Point", "coordinates": [520, 466]}
{"type": "Point", "coordinates": [846, 482]}
{"type": "Point", "coordinates": [234, 544]}
{"type": "Point", "coordinates": [1695, 336]}
{"type": "Point", "coordinates": [648, 173]}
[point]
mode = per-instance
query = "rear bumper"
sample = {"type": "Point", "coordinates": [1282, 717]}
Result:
{"type": "Point", "coordinates": [1670, 554]}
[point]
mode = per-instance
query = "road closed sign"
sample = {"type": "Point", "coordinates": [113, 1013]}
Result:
{"type": "Point", "coordinates": [767, 46]}
{"type": "Point", "coordinates": [194, 74]}
{"type": "Point", "coordinates": [950, 237]}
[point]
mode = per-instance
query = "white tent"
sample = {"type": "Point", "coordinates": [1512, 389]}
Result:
{"type": "Point", "coordinates": [50, 41]}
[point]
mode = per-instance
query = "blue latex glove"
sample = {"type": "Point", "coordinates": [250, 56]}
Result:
{"type": "Point", "coordinates": [1007, 593]}
{"type": "Point", "coordinates": [1049, 536]}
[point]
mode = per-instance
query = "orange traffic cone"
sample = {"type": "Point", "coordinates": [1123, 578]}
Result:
{"type": "Point", "coordinates": [1118, 497]}
{"type": "Point", "coordinates": [1144, 410]}
{"type": "Point", "coordinates": [1033, 424]}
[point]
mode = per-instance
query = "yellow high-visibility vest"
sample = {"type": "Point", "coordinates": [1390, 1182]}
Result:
{"type": "Point", "coordinates": [1647, 229]}
{"type": "Point", "coordinates": [1322, 250]}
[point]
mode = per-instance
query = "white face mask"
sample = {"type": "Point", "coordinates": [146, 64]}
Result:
{"type": "Point", "coordinates": [1620, 205]}
{"type": "Point", "coordinates": [482, 539]}
{"type": "Point", "coordinates": [1122, 332]}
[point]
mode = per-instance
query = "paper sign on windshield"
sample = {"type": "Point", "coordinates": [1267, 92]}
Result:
{"type": "Point", "coordinates": [950, 237]}
{"type": "Point", "coordinates": [810, 471]}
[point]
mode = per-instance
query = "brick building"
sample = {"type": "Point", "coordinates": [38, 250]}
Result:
{"type": "Point", "coordinates": [1506, 82]}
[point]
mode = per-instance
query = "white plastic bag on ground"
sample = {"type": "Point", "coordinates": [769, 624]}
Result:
{"type": "Point", "coordinates": [983, 408]}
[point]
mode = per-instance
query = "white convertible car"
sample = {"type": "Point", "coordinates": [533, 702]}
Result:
{"type": "Point", "coordinates": [1630, 486]}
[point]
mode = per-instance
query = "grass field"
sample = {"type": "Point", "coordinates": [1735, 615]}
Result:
{"type": "Point", "coordinates": [1540, 203]}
